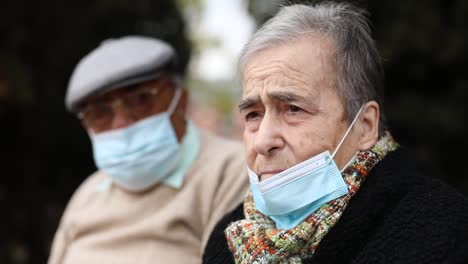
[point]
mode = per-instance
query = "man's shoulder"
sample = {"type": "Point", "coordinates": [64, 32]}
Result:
{"type": "Point", "coordinates": [425, 191]}
{"type": "Point", "coordinates": [220, 151]}
{"type": "Point", "coordinates": [431, 217]}
{"type": "Point", "coordinates": [221, 161]}
{"type": "Point", "coordinates": [415, 208]}
{"type": "Point", "coordinates": [401, 181]}
{"type": "Point", "coordinates": [212, 142]}
{"type": "Point", "coordinates": [216, 249]}
{"type": "Point", "coordinates": [93, 185]}
{"type": "Point", "coordinates": [438, 203]}
{"type": "Point", "coordinates": [93, 181]}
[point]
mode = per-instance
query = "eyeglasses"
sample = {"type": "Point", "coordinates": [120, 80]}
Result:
{"type": "Point", "coordinates": [138, 103]}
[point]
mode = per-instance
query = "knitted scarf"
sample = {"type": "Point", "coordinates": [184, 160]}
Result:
{"type": "Point", "coordinates": [257, 240]}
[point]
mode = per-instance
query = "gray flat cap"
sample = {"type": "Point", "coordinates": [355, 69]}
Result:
{"type": "Point", "coordinates": [117, 63]}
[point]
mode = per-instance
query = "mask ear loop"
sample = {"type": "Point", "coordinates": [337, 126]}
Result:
{"type": "Point", "coordinates": [175, 101]}
{"type": "Point", "coordinates": [349, 162]}
{"type": "Point", "coordinates": [347, 132]}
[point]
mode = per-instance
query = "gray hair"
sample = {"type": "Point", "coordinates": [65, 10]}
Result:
{"type": "Point", "coordinates": [357, 60]}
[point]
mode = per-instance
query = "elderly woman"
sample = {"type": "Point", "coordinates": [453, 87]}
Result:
{"type": "Point", "coordinates": [328, 182]}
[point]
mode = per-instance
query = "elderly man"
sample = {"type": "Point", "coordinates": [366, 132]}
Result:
{"type": "Point", "coordinates": [162, 184]}
{"type": "Point", "coordinates": [329, 184]}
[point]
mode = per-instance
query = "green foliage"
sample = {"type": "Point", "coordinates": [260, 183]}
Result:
{"type": "Point", "coordinates": [190, 4]}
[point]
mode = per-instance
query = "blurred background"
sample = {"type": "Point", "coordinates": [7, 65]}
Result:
{"type": "Point", "coordinates": [46, 154]}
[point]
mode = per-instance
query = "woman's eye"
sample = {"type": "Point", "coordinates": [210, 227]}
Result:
{"type": "Point", "coordinates": [251, 116]}
{"type": "Point", "coordinates": [294, 109]}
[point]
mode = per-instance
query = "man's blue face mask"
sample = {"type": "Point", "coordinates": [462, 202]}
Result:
{"type": "Point", "coordinates": [142, 154]}
{"type": "Point", "coordinates": [289, 197]}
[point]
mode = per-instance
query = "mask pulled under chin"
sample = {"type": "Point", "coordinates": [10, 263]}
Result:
{"type": "Point", "coordinates": [291, 196]}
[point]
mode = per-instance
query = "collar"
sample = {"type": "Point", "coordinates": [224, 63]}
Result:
{"type": "Point", "coordinates": [190, 147]}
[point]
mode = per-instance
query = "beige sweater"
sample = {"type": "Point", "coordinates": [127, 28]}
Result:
{"type": "Point", "coordinates": [161, 225]}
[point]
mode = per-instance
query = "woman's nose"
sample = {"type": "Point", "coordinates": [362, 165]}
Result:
{"type": "Point", "coordinates": [268, 137]}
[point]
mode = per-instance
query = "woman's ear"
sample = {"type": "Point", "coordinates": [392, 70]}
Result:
{"type": "Point", "coordinates": [369, 125]}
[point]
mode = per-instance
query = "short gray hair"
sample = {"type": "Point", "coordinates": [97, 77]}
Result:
{"type": "Point", "coordinates": [358, 63]}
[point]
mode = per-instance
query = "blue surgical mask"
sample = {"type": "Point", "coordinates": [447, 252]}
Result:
{"type": "Point", "coordinates": [142, 154]}
{"type": "Point", "coordinates": [289, 197]}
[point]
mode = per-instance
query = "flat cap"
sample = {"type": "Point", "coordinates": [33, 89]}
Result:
{"type": "Point", "coordinates": [117, 63]}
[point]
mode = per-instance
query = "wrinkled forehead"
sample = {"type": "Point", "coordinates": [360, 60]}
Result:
{"type": "Point", "coordinates": [301, 66]}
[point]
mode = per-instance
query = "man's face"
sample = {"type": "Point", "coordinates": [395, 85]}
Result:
{"type": "Point", "coordinates": [290, 107]}
{"type": "Point", "coordinates": [123, 107]}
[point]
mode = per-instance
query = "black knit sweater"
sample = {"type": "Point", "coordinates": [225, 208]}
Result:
{"type": "Point", "coordinates": [397, 216]}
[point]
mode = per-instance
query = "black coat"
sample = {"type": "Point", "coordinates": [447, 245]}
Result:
{"type": "Point", "coordinates": [397, 216]}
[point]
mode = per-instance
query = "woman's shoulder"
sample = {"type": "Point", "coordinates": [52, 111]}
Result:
{"type": "Point", "coordinates": [216, 249]}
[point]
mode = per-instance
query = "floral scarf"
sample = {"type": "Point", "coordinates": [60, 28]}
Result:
{"type": "Point", "coordinates": [257, 240]}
